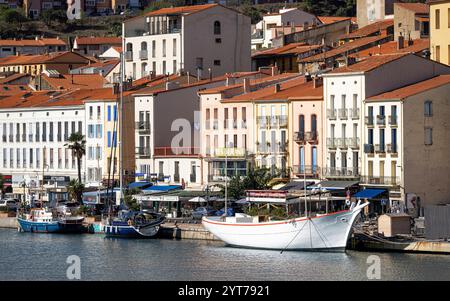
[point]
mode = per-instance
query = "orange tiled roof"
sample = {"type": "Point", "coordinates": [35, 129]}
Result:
{"type": "Point", "coordinates": [117, 48]}
{"type": "Point", "coordinates": [369, 63]}
{"type": "Point", "coordinates": [180, 10]}
{"type": "Point", "coordinates": [410, 90]}
{"type": "Point", "coordinates": [418, 8]}
{"type": "Point", "coordinates": [370, 29]}
{"type": "Point", "coordinates": [293, 48]}
{"type": "Point", "coordinates": [345, 48]}
{"type": "Point", "coordinates": [292, 88]}
{"type": "Point", "coordinates": [418, 45]}
{"type": "Point", "coordinates": [34, 59]}
{"type": "Point", "coordinates": [74, 81]}
{"type": "Point", "coordinates": [99, 40]}
{"type": "Point", "coordinates": [8, 90]}
{"type": "Point", "coordinates": [12, 77]}
{"type": "Point", "coordinates": [332, 19]}
{"type": "Point", "coordinates": [33, 42]}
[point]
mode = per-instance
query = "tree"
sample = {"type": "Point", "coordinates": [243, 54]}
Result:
{"type": "Point", "coordinates": [75, 190]}
{"type": "Point", "coordinates": [77, 144]}
{"type": "Point", "coordinates": [130, 201]}
{"type": "Point", "coordinates": [49, 16]}
{"type": "Point", "coordinates": [12, 17]}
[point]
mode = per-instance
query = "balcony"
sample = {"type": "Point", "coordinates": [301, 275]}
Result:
{"type": "Point", "coordinates": [331, 142]}
{"type": "Point", "coordinates": [341, 142]}
{"type": "Point", "coordinates": [37, 136]}
{"type": "Point", "coordinates": [379, 148]}
{"type": "Point", "coordinates": [4, 138]}
{"type": "Point", "coordinates": [381, 120]}
{"type": "Point", "coordinates": [342, 113]}
{"type": "Point", "coordinates": [299, 137]}
{"type": "Point", "coordinates": [331, 114]}
{"type": "Point", "coordinates": [312, 137]}
{"type": "Point", "coordinates": [207, 124]}
{"type": "Point", "coordinates": [143, 152]}
{"type": "Point", "coordinates": [24, 137]}
{"type": "Point", "coordinates": [354, 113]}
{"type": "Point", "coordinates": [393, 120]}
{"type": "Point", "coordinates": [372, 180]}
{"type": "Point", "coordinates": [17, 137]}
{"type": "Point", "coordinates": [353, 142]}
{"type": "Point", "coordinates": [11, 138]}
{"type": "Point", "coordinates": [263, 147]}
{"type": "Point", "coordinates": [215, 124]}
{"type": "Point", "coordinates": [176, 151]}
{"type": "Point", "coordinates": [273, 121]}
{"type": "Point", "coordinates": [391, 148]}
{"type": "Point", "coordinates": [340, 172]}
{"type": "Point", "coordinates": [143, 54]}
{"type": "Point", "coordinates": [143, 126]}
{"type": "Point", "coordinates": [310, 171]}
{"type": "Point", "coordinates": [129, 56]}
{"type": "Point", "coordinates": [282, 121]}
{"type": "Point", "coordinates": [368, 148]}
{"type": "Point", "coordinates": [262, 121]}
{"type": "Point", "coordinates": [30, 137]}
{"type": "Point", "coordinates": [368, 120]}
{"type": "Point", "coordinates": [243, 124]}
{"type": "Point", "coordinates": [282, 148]}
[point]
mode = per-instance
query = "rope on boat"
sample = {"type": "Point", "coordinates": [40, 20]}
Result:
{"type": "Point", "coordinates": [320, 234]}
{"type": "Point", "coordinates": [377, 238]}
{"type": "Point", "coordinates": [293, 238]}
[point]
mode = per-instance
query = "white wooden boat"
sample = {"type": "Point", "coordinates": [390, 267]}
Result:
{"type": "Point", "coordinates": [324, 232]}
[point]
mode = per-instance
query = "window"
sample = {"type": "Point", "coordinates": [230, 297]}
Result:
{"type": "Point", "coordinates": [164, 48]}
{"type": "Point", "coordinates": [153, 50]}
{"type": "Point", "coordinates": [218, 40]}
{"type": "Point", "coordinates": [437, 18]}
{"type": "Point", "coordinates": [428, 108]}
{"type": "Point", "coordinates": [437, 55]}
{"type": "Point", "coordinates": [428, 136]}
{"type": "Point", "coordinates": [109, 113]}
{"type": "Point", "coordinates": [99, 110]}
{"type": "Point", "coordinates": [174, 67]}
{"type": "Point", "coordinates": [109, 138]}
{"type": "Point", "coordinates": [91, 112]}
{"type": "Point", "coordinates": [217, 27]}
{"type": "Point", "coordinates": [216, 62]}
{"type": "Point", "coordinates": [164, 67]}
{"type": "Point", "coordinates": [174, 47]}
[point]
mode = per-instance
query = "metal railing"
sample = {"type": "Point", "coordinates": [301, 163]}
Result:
{"type": "Point", "coordinates": [4, 138]}
{"type": "Point", "coordinates": [128, 56]}
{"type": "Point", "coordinates": [368, 148]}
{"type": "Point", "coordinates": [340, 172]}
{"type": "Point", "coordinates": [307, 170]}
{"type": "Point", "coordinates": [342, 113]}
{"type": "Point", "coordinates": [381, 119]}
{"type": "Point", "coordinates": [380, 180]}
{"type": "Point", "coordinates": [175, 151]}
{"type": "Point", "coordinates": [312, 136]}
{"type": "Point", "coordinates": [299, 137]}
{"type": "Point", "coordinates": [142, 126]}
{"type": "Point", "coordinates": [379, 148]}
{"type": "Point", "coordinates": [24, 137]}
{"type": "Point", "coordinates": [262, 121]}
{"type": "Point", "coordinates": [341, 142]}
{"type": "Point", "coordinates": [353, 142]}
{"type": "Point", "coordinates": [215, 124]}
{"type": "Point", "coordinates": [30, 137]}
{"type": "Point", "coordinates": [354, 113]}
{"type": "Point", "coordinates": [142, 151]}
{"type": "Point", "coordinates": [282, 121]}
{"type": "Point", "coordinates": [11, 138]}
{"type": "Point", "coordinates": [368, 120]}
{"type": "Point", "coordinates": [392, 120]}
{"type": "Point", "coordinates": [143, 54]}
{"type": "Point", "coordinates": [391, 148]}
{"type": "Point", "coordinates": [331, 113]}
{"type": "Point", "coordinates": [331, 142]}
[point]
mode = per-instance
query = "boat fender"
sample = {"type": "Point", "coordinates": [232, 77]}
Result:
{"type": "Point", "coordinates": [129, 222]}
{"type": "Point", "coordinates": [347, 202]}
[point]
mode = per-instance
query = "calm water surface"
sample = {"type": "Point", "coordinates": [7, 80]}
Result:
{"type": "Point", "coordinates": [27, 256]}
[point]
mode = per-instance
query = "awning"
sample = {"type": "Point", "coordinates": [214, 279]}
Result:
{"type": "Point", "coordinates": [162, 188]}
{"type": "Point", "coordinates": [197, 199]}
{"type": "Point", "coordinates": [334, 185]}
{"type": "Point", "coordinates": [139, 185]}
{"type": "Point", "coordinates": [368, 193]}
{"type": "Point", "coordinates": [296, 185]}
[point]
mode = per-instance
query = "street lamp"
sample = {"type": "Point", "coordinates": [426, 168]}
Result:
{"type": "Point", "coordinates": [226, 176]}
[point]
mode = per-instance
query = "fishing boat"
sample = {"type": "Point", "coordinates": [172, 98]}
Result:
{"type": "Point", "coordinates": [320, 232]}
{"type": "Point", "coordinates": [38, 220]}
{"type": "Point", "coordinates": [134, 224]}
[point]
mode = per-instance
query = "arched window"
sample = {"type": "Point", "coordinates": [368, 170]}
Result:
{"type": "Point", "coordinates": [216, 27]}
{"type": "Point", "coordinates": [428, 108]}
{"type": "Point", "coordinates": [313, 124]}
{"type": "Point", "coordinates": [144, 46]}
{"type": "Point", "coordinates": [129, 47]}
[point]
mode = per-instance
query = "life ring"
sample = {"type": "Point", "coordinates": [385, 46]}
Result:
{"type": "Point", "coordinates": [347, 202]}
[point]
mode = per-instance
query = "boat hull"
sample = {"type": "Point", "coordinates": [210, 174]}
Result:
{"type": "Point", "coordinates": [327, 232]}
{"type": "Point", "coordinates": [38, 227]}
{"type": "Point", "coordinates": [130, 231]}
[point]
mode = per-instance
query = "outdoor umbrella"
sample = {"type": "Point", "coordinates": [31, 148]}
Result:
{"type": "Point", "coordinates": [197, 199]}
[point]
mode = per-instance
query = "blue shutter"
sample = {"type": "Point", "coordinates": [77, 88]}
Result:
{"type": "Point", "coordinates": [109, 138]}
{"type": "Point", "coordinates": [109, 113]}
{"type": "Point", "coordinates": [115, 113]}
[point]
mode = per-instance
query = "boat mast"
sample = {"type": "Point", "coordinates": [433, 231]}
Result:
{"type": "Point", "coordinates": [122, 70]}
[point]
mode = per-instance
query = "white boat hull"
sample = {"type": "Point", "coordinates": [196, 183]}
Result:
{"type": "Point", "coordinates": [323, 232]}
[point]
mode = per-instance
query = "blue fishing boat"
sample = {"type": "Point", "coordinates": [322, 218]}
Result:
{"type": "Point", "coordinates": [134, 224]}
{"type": "Point", "coordinates": [38, 220]}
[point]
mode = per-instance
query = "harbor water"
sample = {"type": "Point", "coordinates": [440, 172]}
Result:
{"type": "Point", "coordinates": [28, 256]}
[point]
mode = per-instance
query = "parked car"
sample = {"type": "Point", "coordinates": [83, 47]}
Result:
{"type": "Point", "coordinates": [230, 212]}
{"type": "Point", "coordinates": [199, 212]}
{"type": "Point", "coordinates": [9, 204]}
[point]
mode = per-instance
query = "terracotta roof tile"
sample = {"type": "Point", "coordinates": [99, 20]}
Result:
{"type": "Point", "coordinates": [391, 47]}
{"type": "Point", "coordinates": [12, 77]}
{"type": "Point", "coordinates": [370, 29]}
{"type": "Point", "coordinates": [34, 42]}
{"type": "Point", "coordinates": [75, 81]}
{"type": "Point", "coordinates": [333, 19]}
{"type": "Point", "coordinates": [418, 8]}
{"type": "Point", "coordinates": [369, 63]}
{"type": "Point", "coordinates": [99, 40]}
{"type": "Point", "coordinates": [35, 59]}
{"type": "Point", "coordinates": [293, 48]}
{"type": "Point", "coordinates": [410, 90]}
{"type": "Point", "coordinates": [180, 10]}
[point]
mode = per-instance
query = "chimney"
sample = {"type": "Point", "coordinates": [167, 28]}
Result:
{"type": "Point", "coordinates": [188, 74]}
{"type": "Point", "coordinates": [317, 82]}
{"type": "Point", "coordinates": [210, 73]}
{"type": "Point", "coordinates": [246, 85]}
{"type": "Point", "coordinates": [274, 70]}
{"type": "Point", "coordinates": [401, 42]}
{"type": "Point", "coordinates": [307, 77]}
{"type": "Point", "coordinates": [277, 88]}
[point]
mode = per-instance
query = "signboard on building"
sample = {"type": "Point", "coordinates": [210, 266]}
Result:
{"type": "Point", "coordinates": [230, 152]}
{"type": "Point", "coordinates": [57, 179]}
{"type": "Point", "coordinates": [157, 198]}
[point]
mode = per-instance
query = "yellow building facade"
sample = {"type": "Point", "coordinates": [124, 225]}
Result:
{"type": "Point", "coordinates": [440, 30]}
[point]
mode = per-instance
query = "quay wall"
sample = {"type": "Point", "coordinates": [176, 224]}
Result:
{"type": "Point", "coordinates": [8, 222]}
{"type": "Point", "coordinates": [185, 231]}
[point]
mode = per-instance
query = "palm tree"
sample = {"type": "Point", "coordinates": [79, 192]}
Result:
{"type": "Point", "coordinates": [75, 190]}
{"type": "Point", "coordinates": [77, 144]}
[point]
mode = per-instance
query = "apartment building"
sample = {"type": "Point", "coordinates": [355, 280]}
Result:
{"type": "Point", "coordinates": [34, 8]}
{"type": "Point", "coordinates": [440, 30]}
{"type": "Point", "coordinates": [32, 46]}
{"type": "Point", "coordinates": [369, 11]}
{"type": "Point", "coordinates": [205, 40]}
{"type": "Point", "coordinates": [227, 127]}
{"type": "Point", "coordinates": [34, 128]}
{"type": "Point", "coordinates": [346, 88]}
{"type": "Point", "coordinates": [95, 46]}
{"type": "Point", "coordinates": [286, 17]}
{"type": "Point", "coordinates": [411, 20]}
{"type": "Point", "coordinates": [406, 153]}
